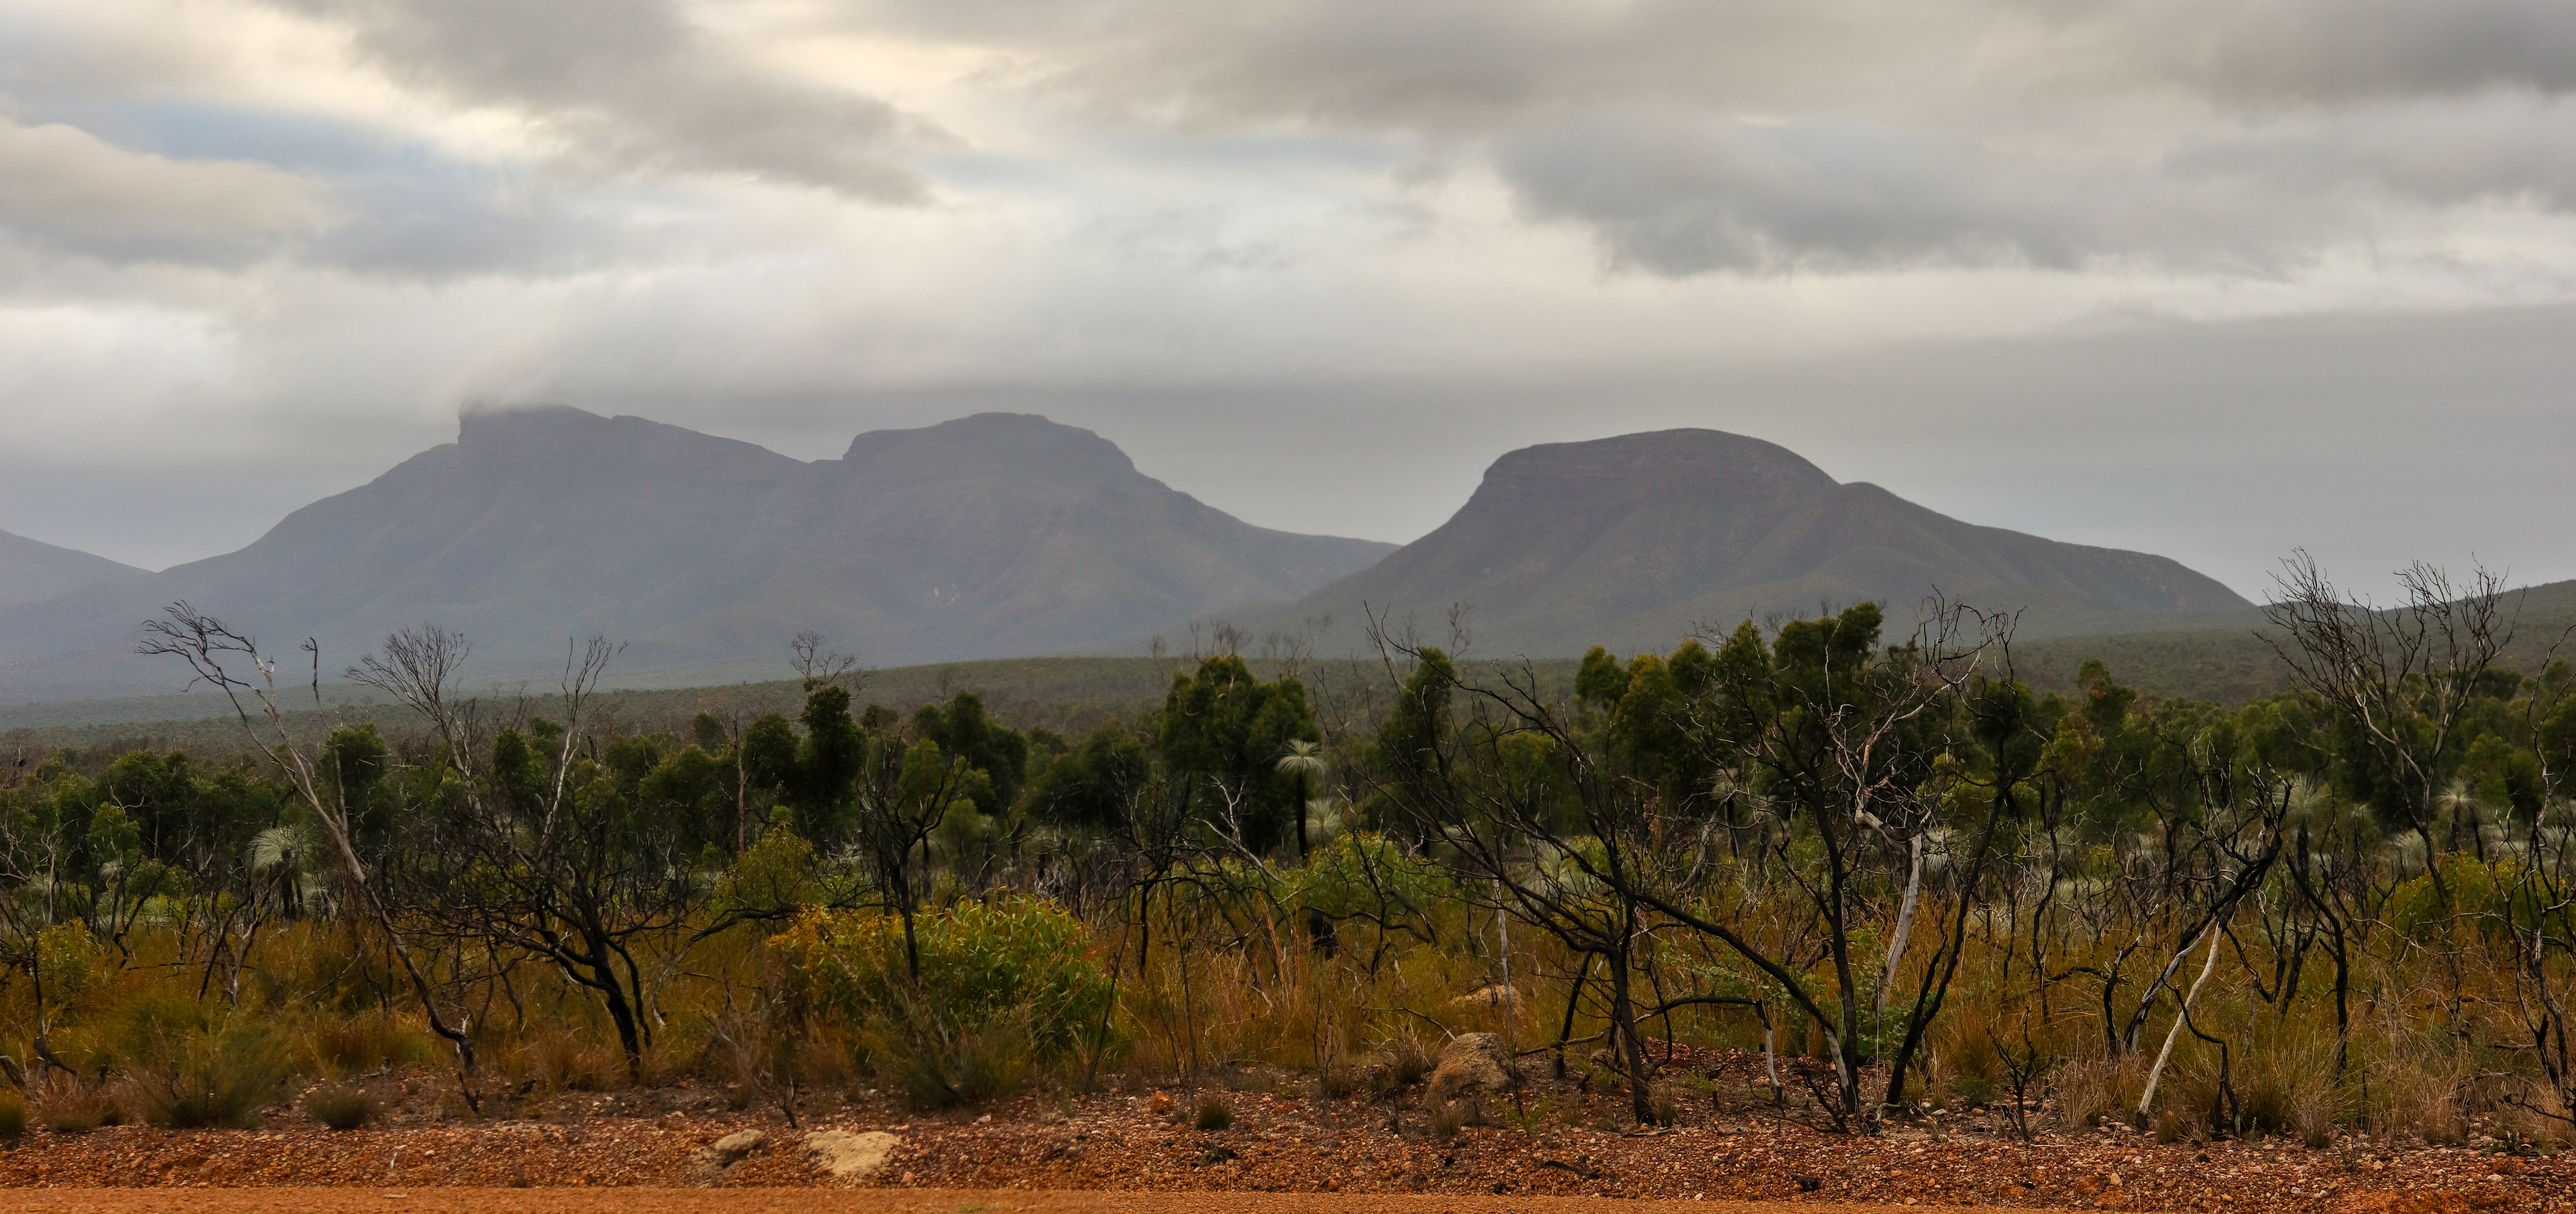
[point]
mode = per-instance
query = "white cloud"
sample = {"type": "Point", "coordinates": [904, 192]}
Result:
{"type": "Point", "coordinates": [65, 188]}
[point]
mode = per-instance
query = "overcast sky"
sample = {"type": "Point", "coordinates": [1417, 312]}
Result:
{"type": "Point", "coordinates": [2214, 278]}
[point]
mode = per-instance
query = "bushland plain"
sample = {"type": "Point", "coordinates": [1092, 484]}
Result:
{"type": "Point", "coordinates": [1811, 907]}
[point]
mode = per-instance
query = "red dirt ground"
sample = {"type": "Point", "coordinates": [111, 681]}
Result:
{"type": "Point", "coordinates": [1134, 1150]}
{"type": "Point", "coordinates": [875, 1201]}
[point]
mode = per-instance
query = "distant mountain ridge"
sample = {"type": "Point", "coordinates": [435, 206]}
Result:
{"type": "Point", "coordinates": [32, 571]}
{"type": "Point", "coordinates": [1632, 541]}
{"type": "Point", "coordinates": [1008, 535]}
{"type": "Point", "coordinates": [990, 535]}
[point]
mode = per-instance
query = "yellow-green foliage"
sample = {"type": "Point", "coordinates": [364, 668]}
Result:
{"type": "Point", "coordinates": [980, 961]}
{"type": "Point", "coordinates": [67, 955]}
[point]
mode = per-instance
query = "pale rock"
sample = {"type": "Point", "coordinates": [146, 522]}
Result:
{"type": "Point", "coordinates": [708, 1166]}
{"type": "Point", "coordinates": [730, 1149]}
{"type": "Point", "coordinates": [1495, 996]}
{"type": "Point", "coordinates": [1472, 1063]}
{"type": "Point", "coordinates": [850, 1157]}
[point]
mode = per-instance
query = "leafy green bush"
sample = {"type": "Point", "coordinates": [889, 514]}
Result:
{"type": "Point", "coordinates": [68, 957]}
{"type": "Point", "coordinates": [1214, 1112]}
{"type": "Point", "coordinates": [1005, 986]}
{"type": "Point", "coordinates": [980, 961]}
{"type": "Point", "coordinates": [13, 1117]}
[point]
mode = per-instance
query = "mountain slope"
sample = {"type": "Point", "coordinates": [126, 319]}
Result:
{"type": "Point", "coordinates": [993, 535]}
{"type": "Point", "coordinates": [1631, 541]}
{"type": "Point", "coordinates": [1003, 534]}
{"type": "Point", "coordinates": [32, 571]}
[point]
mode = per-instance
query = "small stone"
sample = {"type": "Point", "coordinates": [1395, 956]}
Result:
{"type": "Point", "coordinates": [730, 1149]}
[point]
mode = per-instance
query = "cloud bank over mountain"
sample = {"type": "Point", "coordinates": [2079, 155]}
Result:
{"type": "Point", "coordinates": [247, 243]}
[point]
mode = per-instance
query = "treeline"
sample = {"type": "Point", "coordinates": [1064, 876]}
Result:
{"type": "Point", "coordinates": [1880, 859]}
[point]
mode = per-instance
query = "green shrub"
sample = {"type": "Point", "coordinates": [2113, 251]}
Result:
{"type": "Point", "coordinates": [1406, 1062]}
{"type": "Point", "coordinates": [146, 1030]}
{"type": "Point", "coordinates": [225, 1078]}
{"type": "Point", "coordinates": [1214, 1113]}
{"type": "Point", "coordinates": [366, 1043]}
{"type": "Point", "coordinates": [2281, 1084]}
{"type": "Point", "coordinates": [939, 1064]}
{"type": "Point", "coordinates": [1005, 986]}
{"type": "Point", "coordinates": [13, 1117]}
{"type": "Point", "coordinates": [341, 1106]}
{"type": "Point", "coordinates": [559, 1059]}
{"type": "Point", "coordinates": [1975, 1064]}
{"type": "Point", "coordinates": [1666, 1106]}
{"type": "Point", "coordinates": [69, 958]}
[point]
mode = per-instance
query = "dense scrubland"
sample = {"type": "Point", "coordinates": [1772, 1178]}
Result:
{"type": "Point", "coordinates": [1865, 850]}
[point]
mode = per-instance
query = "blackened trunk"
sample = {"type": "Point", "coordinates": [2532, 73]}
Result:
{"type": "Point", "coordinates": [1624, 1019]}
{"type": "Point", "coordinates": [1573, 1000]}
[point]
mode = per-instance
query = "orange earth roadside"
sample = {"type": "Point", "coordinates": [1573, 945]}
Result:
{"type": "Point", "coordinates": [864, 1201]}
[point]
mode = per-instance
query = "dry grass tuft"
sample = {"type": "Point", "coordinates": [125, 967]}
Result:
{"type": "Point", "coordinates": [2091, 1091]}
{"type": "Point", "coordinates": [341, 1106]}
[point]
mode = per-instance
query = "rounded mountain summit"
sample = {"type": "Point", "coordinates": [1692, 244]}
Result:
{"type": "Point", "coordinates": [1630, 542]}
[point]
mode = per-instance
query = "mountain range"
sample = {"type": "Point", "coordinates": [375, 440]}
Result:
{"type": "Point", "coordinates": [991, 534]}
{"type": "Point", "coordinates": [1004, 535]}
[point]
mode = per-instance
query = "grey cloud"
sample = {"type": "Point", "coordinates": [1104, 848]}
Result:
{"type": "Point", "coordinates": [2324, 51]}
{"type": "Point", "coordinates": [64, 188]}
{"type": "Point", "coordinates": [1441, 67]}
{"type": "Point", "coordinates": [1476, 66]}
{"type": "Point", "coordinates": [1691, 137]}
{"type": "Point", "coordinates": [629, 86]}
{"type": "Point", "coordinates": [1683, 195]}
{"type": "Point", "coordinates": [2508, 147]}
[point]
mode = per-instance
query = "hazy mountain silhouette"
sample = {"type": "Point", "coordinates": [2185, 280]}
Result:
{"type": "Point", "coordinates": [1005, 535]}
{"type": "Point", "coordinates": [992, 535]}
{"type": "Point", "coordinates": [31, 571]}
{"type": "Point", "coordinates": [1630, 541]}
